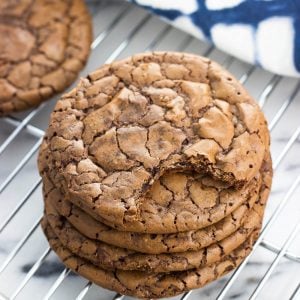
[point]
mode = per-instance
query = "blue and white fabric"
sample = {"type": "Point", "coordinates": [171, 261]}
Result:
{"type": "Point", "coordinates": [262, 32]}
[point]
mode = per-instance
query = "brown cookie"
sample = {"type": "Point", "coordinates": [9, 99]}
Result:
{"type": "Point", "coordinates": [159, 243]}
{"type": "Point", "coordinates": [43, 46]}
{"type": "Point", "coordinates": [173, 194]}
{"type": "Point", "coordinates": [145, 242]}
{"type": "Point", "coordinates": [149, 285]}
{"type": "Point", "coordinates": [113, 139]}
{"type": "Point", "coordinates": [107, 256]}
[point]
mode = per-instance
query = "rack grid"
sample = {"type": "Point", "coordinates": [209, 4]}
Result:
{"type": "Point", "coordinates": [28, 267]}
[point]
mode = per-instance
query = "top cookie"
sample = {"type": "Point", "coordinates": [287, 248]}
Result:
{"type": "Point", "coordinates": [43, 45]}
{"type": "Point", "coordinates": [130, 122]}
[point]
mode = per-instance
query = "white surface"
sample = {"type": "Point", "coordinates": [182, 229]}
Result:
{"type": "Point", "coordinates": [237, 39]}
{"type": "Point", "coordinates": [187, 6]}
{"type": "Point", "coordinates": [185, 22]}
{"type": "Point", "coordinates": [221, 4]}
{"type": "Point", "coordinates": [275, 38]}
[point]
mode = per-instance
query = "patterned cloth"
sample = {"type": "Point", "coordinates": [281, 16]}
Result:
{"type": "Point", "coordinates": [262, 32]}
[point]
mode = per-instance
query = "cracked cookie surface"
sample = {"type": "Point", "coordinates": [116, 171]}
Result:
{"type": "Point", "coordinates": [148, 117]}
{"type": "Point", "coordinates": [43, 46]}
{"type": "Point", "coordinates": [111, 257]}
{"type": "Point", "coordinates": [177, 202]}
{"type": "Point", "coordinates": [107, 256]}
{"type": "Point", "coordinates": [160, 243]}
{"type": "Point", "coordinates": [149, 285]}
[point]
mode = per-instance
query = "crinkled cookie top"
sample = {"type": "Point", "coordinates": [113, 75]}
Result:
{"type": "Point", "coordinates": [43, 45]}
{"type": "Point", "coordinates": [130, 122]}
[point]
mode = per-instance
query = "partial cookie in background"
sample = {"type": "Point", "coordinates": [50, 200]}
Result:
{"type": "Point", "coordinates": [43, 46]}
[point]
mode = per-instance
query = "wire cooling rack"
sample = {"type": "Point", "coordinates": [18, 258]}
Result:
{"type": "Point", "coordinates": [30, 270]}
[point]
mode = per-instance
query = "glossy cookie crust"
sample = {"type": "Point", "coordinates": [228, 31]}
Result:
{"type": "Point", "coordinates": [149, 285]}
{"type": "Point", "coordinates": [114, 138]}
{"type": "Point", "coordinates": [43, 46]}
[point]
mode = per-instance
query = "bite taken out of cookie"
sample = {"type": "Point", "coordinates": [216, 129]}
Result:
{"type": "Point", "coordinates": [156, 171]}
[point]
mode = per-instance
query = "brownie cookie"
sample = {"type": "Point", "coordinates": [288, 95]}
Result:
{"type": "Point", "coordinates": [159, 243]}
{"type": "Point", "coordinates": [43, 46]}
{"type": "Point", "coordinates": [145, 242]}
{"type": "Point", "coordinates": [173, 194]}
{"type": "Point", "coordinates": [109, 257]}
{"type": "Point", "coordinates": [112, 140]}
{"type": "Point", "coordinates": [149, 285]}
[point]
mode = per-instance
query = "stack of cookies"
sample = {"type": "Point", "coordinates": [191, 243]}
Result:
{"type": "Point", "coordinates": [156, 171]}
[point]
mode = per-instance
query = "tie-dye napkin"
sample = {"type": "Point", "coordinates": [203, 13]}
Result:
{"type": "Point", "coordinates": [262, 32]}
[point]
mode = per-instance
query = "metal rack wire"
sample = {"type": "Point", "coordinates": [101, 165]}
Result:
{"type": "Point", "coordinates": [120, 30]}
